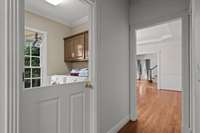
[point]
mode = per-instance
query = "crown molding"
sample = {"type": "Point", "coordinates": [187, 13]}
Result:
{"type": "Point", "coordinates": [150, 41]}
{"type": "Point", "coordinates": [71, 25]}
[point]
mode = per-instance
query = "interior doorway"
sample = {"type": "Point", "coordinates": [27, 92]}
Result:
{"type": "Point", "coordinates": [166, 44]}
{"type": "Point", "coordinates": [159, 104]}
{"type": "Point", "coordinates": [57, 93]}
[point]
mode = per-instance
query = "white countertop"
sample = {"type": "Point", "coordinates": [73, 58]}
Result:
{"type": "Point", "coordinates": [63, 79]}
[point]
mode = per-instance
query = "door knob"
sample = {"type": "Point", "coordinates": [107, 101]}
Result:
{"type": "Point", "coordinates": [88, 84]}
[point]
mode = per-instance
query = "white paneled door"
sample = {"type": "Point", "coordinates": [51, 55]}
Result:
{"type": "Point", "coordinates": [56, 109]}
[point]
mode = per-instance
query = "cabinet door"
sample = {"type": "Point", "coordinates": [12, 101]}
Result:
{"type": "Point", "coordinates": [78, 47]}
{"type": "Point", "coordinates": [68, 49]}
{"type": "Point", "coordinates": [86, 45]}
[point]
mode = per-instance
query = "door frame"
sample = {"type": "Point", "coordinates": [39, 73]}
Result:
{"type": "Point", "coordinates": [14, 38]}
{"type": "Point", "coordinates": [186, 69]}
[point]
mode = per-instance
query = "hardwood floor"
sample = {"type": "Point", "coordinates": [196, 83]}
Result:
{"type": "Point", "coordinates": [159, 111]}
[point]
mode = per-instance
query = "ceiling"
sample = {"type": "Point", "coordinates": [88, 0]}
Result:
{"type": "Point", "coordinates": [159, 33]}
{"type": "Point", "coordinates": [69, 12]}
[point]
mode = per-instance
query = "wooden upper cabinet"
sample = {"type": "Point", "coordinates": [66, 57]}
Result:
{"type": "Point", "coordinates": [76, 47]}
{"type": "Point", "coordinates": [68, 49]}
{"type": "Point", "coordinates": [86, 45]}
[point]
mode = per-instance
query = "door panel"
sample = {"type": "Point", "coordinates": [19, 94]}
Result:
{"type": "Point", "coordinates": [49, 112]}
{"type": "Point", "coordinates": [77, 112]}
{"type": "Point", "coordinates": [56, 109]}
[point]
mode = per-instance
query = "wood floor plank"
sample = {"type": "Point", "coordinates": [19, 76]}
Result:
{"type": "Point", "coordinates": [159, 111]}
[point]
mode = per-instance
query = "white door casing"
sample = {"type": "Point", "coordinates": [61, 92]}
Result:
{"type": "Point", "coordinates": [195, 18]}
{"type": "Point", "coordinates": [185, 67]}
{"type": "Point", "coordinates": [48, 103]}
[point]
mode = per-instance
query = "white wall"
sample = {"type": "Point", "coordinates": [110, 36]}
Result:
{"type": "Point", "coordinates": [171, 67]}
{"type": "Point", "coordinates": [2, 69]}
{"type": "Point", "coordinates": [196, 61]}
{"type": "Point", "coordinates": [55, 43]}
{"type": "Point", "coordinates": [113, 64]}
{"type": "Point", "coordinates": [169, 52]}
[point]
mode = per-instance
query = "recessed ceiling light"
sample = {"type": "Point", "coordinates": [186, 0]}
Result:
{"type": "Point", "coordinates": [54, 2]}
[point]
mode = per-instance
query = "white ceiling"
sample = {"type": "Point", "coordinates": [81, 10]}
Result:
{"type": "Point", "coordinates": [159, 33]}
{"type": "Point", "coordinates": [69, 12]}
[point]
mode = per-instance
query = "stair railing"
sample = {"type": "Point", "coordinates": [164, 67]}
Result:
{"type": "Point", "coordinates": [150, 72]}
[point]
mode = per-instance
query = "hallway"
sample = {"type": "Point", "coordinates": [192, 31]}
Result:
{"type": "Point", "coordinates": [159, 111]}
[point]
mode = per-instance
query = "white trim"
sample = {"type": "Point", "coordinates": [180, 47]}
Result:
{"type": "Point", "coordinates": [185, 69]}
{"type": "Point", "coordinates": [194, 62]}
{"type": "Point", "coordinates": [132, 76]}
{"type": "Point", "coordinates": [159, 69]}
{"type": "Point", "coordinates": [195, 65]}
{"type": "Point", "coordinates": [163, 38]}
{"type": "Point", "coordinates": [14, 26]}
{"type": "Point", "coordinates": [98, 22]}
{"type": "Point", "coordinates": [3, 67]}
{"type": "Point", "coordinates": [92, 64]}
{"type": "Point", "coordinates": [119, 125]}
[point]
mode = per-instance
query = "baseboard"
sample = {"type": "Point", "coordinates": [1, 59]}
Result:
{"type": "Point", "coordinates": [119, 125]}
{"type": "Point", "coordinates": [186, 130]}
{"type": "Point", "coordinates": [134, 118]}
{"type": "Point", "coordinates": [172, 90]}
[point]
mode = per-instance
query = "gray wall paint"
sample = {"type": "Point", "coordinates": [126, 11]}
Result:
{"type": "Point", "coordinates": [113, 62]}
{"type": "Point", "coordinates": [150, 10]}
{"type": "Point", "coordinates": [2, 68]}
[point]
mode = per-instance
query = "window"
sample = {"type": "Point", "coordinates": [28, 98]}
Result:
{"type": "Point", "coordinates": [33, 59]}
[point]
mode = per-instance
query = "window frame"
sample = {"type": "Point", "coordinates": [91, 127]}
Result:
{"type": "Point", "coordinates": [43, 60]}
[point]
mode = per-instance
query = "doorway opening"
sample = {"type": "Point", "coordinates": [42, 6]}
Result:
{"type": "Point", "coordinates": [159, 58]}
{"type": "Point", "coordinates": [159, 54]}
{"type": "Point", "coordinates": [58, 67]}
{"type": "Point", "coordinates": [65, 33]}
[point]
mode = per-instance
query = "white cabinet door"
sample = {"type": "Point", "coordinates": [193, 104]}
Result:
{"type": "Point", "coordinates": [56, 109]}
